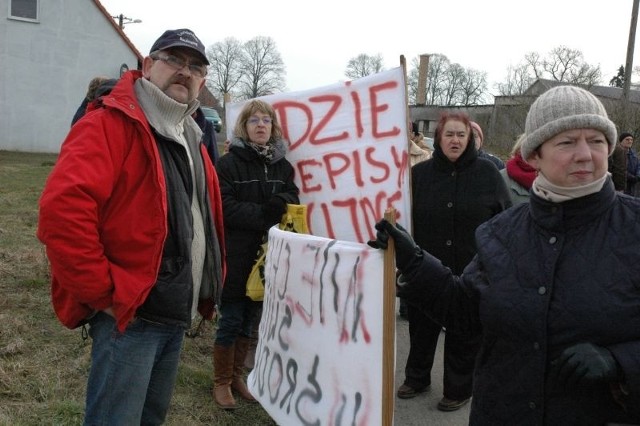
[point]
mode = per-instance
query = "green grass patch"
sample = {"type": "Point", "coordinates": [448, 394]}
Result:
{"type": "Point", "coordinates": [44, 366]}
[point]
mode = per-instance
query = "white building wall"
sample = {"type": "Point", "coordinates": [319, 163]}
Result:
{"type": "Point", "coordinates": [45, 68]}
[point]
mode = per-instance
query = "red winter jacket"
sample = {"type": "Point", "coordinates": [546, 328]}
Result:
{"type": "Point", "coordinates": [103, 212]}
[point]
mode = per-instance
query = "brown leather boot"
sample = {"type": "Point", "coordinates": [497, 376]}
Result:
{"type": "Point", "coordinates": [223, 358]}
{"type": "Point", "coordinates": [238, 384]}
{"type": "Point", "coordinates": [250, 360]}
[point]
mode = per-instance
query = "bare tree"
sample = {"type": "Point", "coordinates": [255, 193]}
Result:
{"type": "Point", "coordinates": [263, 71]}
{"type": "Point", "coordinates": [412, 80]}
{"type": "Point", "coordinates": [447, 83]}
{"type": "Point", "coordinates": [561, 64]}
{"type": "Point", "coordinates": [474, 88]}
{"type": "Point", "coordinates": [450, 84]}
{"type": "Point", "coordinates": [364, 65]}
{"type": "Point", "coordinates": [565, 64]}
{"type": "Point", "coordinates": [226, 59]}
{"type": "Point", "coordinates": [454, 77]}
{"type": "Point", "coordinates": [518, 81]}
{"type": "Point", "coordinates": [436, 79]}
{"type": "Point", "coordinates": [535, 64]}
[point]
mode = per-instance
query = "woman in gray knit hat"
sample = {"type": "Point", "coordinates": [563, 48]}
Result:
{"type": "Point", "coordinates": [555, 285]}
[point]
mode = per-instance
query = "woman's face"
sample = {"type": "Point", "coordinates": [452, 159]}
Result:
{"type": "Point", "coordinates": [572, 158]}
{"type": "Point", "coordinates": [454, 140]}
{"type": "Point", "coordinates": [259, 128]}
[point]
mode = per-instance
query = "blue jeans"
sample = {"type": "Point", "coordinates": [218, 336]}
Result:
{"type": "Point", "coordinates": [132, 373]}
{"type": "Point", "coordinates": [236, 319]}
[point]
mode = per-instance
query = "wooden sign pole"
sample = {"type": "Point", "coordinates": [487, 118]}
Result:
{"type": "Point", "coordinates": [389, 328]}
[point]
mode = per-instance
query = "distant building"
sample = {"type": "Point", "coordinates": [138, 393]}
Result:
{"type": "Point", "coordinates": [50, 50]}
{"type": "Point", "coordinates": [504, 121]}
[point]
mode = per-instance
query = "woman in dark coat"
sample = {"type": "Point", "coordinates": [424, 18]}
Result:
{"type": "Point", "coordinates": [256, 183]}
{"type": "Point", "coordinates": [453, 193]}
{"type": "Point", "coordinates": [555, 287]}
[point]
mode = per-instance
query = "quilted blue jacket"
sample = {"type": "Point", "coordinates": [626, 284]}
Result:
{"type": "Point", "coordinates": [546, 276]}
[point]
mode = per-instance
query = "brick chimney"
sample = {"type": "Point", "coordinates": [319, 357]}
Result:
{"type": "Point", "coordinates": [423, 71]}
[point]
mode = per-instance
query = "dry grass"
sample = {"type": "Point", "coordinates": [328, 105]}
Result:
{"type": "Point", "coordinates": [44, 366]}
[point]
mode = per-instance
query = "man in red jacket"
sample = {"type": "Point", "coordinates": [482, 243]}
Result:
{"type": "Point", "coordinates": [132, 222]}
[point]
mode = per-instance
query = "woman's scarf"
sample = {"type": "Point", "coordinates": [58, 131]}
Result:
{"type": "Point", "coordinates": [557, 194]}
{"type": "Point", "coordinates": [520, 171]}
{"type": "Point", "coordinates": [265, 152]}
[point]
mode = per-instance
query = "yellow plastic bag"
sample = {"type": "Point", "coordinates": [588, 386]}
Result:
{"type": "Point", "coordinates": [255, 282]}
{"type": "Point", "coordinates": [294, 220]}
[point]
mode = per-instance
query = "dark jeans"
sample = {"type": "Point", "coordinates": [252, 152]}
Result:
{"type": "Point", "coordinates": [459, 356]}
{"type": "Point", "coordinates": [132, 373]}
{"type": "Point", "coordinates": [236, 319]}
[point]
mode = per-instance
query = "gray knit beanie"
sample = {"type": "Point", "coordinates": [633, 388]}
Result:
{"type": "Point", "coordinates": [564, 108]}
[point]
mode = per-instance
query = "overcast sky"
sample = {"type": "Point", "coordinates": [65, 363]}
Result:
{"type": "Point", "coordinates": [316, 40]}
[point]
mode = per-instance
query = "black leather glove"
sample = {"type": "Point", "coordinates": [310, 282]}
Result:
{"type": "Point", "coordinates": [583, 364]}
{"type": "Point", "coordinates": [273, 210]}
{"type": "Point", "coordinates": [407, 251]}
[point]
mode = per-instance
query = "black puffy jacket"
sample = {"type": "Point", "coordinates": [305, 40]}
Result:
{"type": "Point", "coordinates": [450, 201]}
{"type": "Point", "coordinates": [246, 184]}
{"type": "Point", "coordinates": [546, 276]}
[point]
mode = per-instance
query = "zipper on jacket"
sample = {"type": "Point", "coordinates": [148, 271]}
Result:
{"type": "Point", "coordinates": [266, 178]}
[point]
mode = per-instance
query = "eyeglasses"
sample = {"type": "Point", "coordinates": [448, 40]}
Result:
{"type": "Point", "coordinates": [196, 68]}
{"type": "Point", "coordinates": [254, 121]}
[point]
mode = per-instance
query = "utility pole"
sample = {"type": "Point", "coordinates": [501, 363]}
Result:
{"type": "Point", "coordinates": [630, 48]}
{"type": "Point", "coordinates": [123, 20]}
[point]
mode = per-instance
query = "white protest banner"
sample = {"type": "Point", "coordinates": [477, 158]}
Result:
{"type": "Point", "coordinates": [348, 145]}
{"type": "Point", "coordinates": [319, 356]}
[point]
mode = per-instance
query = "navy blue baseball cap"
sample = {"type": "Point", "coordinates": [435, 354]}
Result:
{"type": "Point", "coordinates": [180, 38]}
